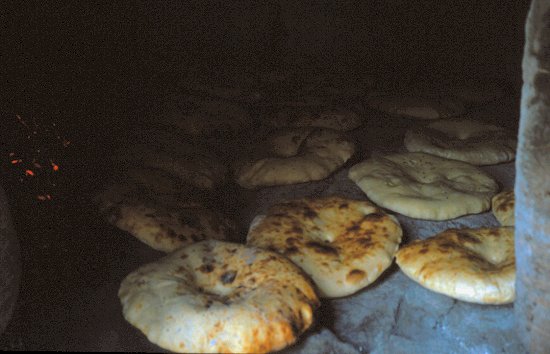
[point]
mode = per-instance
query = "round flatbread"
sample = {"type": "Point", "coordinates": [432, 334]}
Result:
{"type": "Point", "coordinates": [166, 229]}
{"type": "Point", "coordinates": [424, 186]}
{"type": "Point", "coordinates": [294, 155]}
{"type": "Point", "coordinates": [160, 212]}
{"type": "Point", "coordinates": [502, 206]}
{"type": "Point", "coordinates": [219, 297]}
{"type": "Point", "coordinates": [465, 140]}
{"type": "Point", "coordinates": [337, 118]}
{"type": "Point", "coordinates": [343, 244]}
{"type": "Point", "coordinates": [191, 163]}
{"type": "Point", "coordinates": [474, 265]}
{"type": "Point", "coordinates": [417, 107]}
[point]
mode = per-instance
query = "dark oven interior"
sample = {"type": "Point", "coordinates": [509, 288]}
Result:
{"type": "Point", "coordinates": [80, 79]}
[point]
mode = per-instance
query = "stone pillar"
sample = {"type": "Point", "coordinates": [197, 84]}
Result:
{"type": "Point", "coordinates": [532, 188]}
{"type": "Point", "coordinates": [10, 266]}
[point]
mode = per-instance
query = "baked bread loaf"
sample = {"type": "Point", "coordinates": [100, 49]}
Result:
{"type": "Point", "coordinates": [474, 265]}
{"type": "Point", "coordinates": [293, 155]}
{"type": "Point", "coordinates": [424, 186]}
{"type": "Point", "coordinates": [219, 297]}
{"type": "Point", "coordinates": [502, 206]}
{"type": "Point", "coordinates": [465, 140]}
{"type": "Point", "coordinates": [343, 244]}
{"type": "Point", "coordinates": [417, 107]}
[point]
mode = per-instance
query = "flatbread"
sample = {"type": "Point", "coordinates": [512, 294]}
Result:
{"type": "Point", "coordinates": [465, 140]}
{"type": "Point", "coordinates": [219, 297]}
{"type": "Point", "coordinates": [424, 186]}
{"type": "Point", "coordinates": [293, 155]}
{"type": "Point", "coordinates": [502, 206]}
{"type": "Point", "coordinates": [417, 107]}
{"type": "Point", "coordinates": [192, 164]}
{"type": "Point", "coordinates": [474, 265]}
{"type": "Point", "coordinates": [337, 118]}
{"type": "Point", "coordinates": [162, 216]}
{"type": "Point", "coordinates": [165, 228]}
{"type": "Point", "coordinates": [343, 244]}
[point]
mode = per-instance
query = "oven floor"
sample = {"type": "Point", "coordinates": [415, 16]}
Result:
{"type": "Point", "coordinates": [74, 261]}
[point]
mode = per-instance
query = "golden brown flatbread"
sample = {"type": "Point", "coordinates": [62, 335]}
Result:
{"type": "Point", "coordinates": [465, 140]}
{"type": "Point", "coordinates": [474, 265]}
{"type": "Point", "coordinates": [503, 205]}
{"type": "Point", "coordinates": [294, 155]}
{"type": "Point", "coordinates": [219, 297]}
{"type": "Point", "coordinates": [343, 244]}
{"type": "Point", "coordinates": [425, 186]}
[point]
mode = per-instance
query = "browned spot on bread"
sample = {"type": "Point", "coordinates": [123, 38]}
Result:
{"type": "Point", "coordinates": [320, 248]}
{"type": "Point", "coordinates": [463, 236]}
{"type": "Point", "coordinates": [365, 241]}
{"type": "Point", "coordinates": [344, 205]}
{"type": "Point", "coordinates": [291, 241]}
{"type": "Point", "coordinates": [206, 268]}
{"type": "Point", "coordinates": [353, 228]}
{"type": "Point", "coordinates": [445, 245]}
{"type": "Point", "coordinates": [355, 276]}
{"type": "Point", "coordinates": [297, 230]}
{"type": "Point", "coordinates": [309, 213]}
{"type": "Point", "coordinates": [291, 250]}
{"type": "Point", "coordinates": [228, 277]}
{"type": "Point", "coordinates": [374, 217]}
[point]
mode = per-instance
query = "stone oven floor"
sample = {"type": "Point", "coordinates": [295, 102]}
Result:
{"type": "Point", "coordinates": [73, 263]}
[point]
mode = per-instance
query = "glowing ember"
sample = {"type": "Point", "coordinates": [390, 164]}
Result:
{"type": "Point", "coordinates": [32, 147]}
